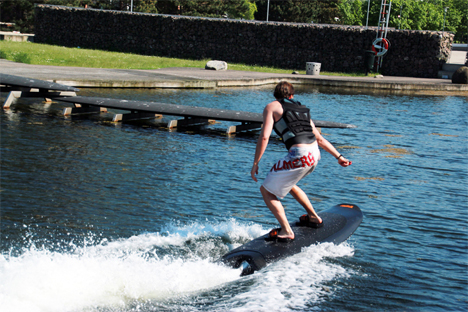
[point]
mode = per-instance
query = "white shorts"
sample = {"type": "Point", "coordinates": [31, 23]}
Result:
{"type": "Point", "coordinates": [287, 172]}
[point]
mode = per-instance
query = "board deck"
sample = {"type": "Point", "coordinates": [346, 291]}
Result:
{"type": "Point", "coordinates": [340, 222]}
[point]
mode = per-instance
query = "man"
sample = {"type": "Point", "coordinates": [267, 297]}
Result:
{"type": "Point", "coordinates": [292, 122]}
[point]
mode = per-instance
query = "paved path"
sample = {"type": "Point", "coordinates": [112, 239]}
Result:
{"type": "Point", "coordinates": [201, 78]}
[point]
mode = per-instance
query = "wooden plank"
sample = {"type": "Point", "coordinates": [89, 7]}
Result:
{"type": "Point", "coordinates": [134, 116]}
{"type": "Point", "coordinates": [12, 96]}
{"type": "Point", "coordinates": [17, 81]}
{"type": "Point", "coordinates": [84, 109]}
{"type": "Point", "coordinates": [187, 121]}
{"type": "Point", "coordinates": [185, 111]}
{"type": "Point", "coordinates": [243, 127]}
{"type": "Point", "coordinates": [167, 109]}
{"type": "Point", "coordinates": [33, 93]}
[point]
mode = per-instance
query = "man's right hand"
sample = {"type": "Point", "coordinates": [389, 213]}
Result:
{"type": "Point", "coordinates": [254, 172]}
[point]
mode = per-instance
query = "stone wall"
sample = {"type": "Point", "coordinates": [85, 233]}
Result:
{"type": "Point", "coordinates": [285, 45]}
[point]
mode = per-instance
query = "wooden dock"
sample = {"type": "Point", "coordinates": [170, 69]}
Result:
{"type": "Point", "coordinates": [192, 114]}
{"type": "Point", "coordinates": [26, 87]}
{"type": "Point", "coordinates": [15, 36]}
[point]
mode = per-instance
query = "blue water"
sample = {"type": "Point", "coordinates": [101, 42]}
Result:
{"type": "Point", "coordinates": [97, 216]}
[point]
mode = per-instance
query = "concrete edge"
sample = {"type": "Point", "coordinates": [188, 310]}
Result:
{"type": "Point", "coordinates": [211, 84]}
{"type": "Point", "coordinates": [173, 84]}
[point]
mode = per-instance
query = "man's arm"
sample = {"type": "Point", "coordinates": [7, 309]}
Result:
{"type": "Point", "coordinates": [263, 139]}
{"type": "Point", "coordinates": [323, 143]}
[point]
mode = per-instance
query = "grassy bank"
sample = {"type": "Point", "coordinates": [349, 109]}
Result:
{"type": "Point", "coordinates": [43, 54]}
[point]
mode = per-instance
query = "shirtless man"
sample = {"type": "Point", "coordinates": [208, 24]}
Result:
{"type": "Point", "coordinates": [292, 122]}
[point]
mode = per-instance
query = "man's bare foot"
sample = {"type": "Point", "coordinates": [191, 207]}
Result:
{"type": "Point", "coordinates": [316, 219]}
{"type": "Point", "coordinates": [284, 234]}
{"type": "Point", "coordinates": [313, 222]}
{"type": "Point", "coordinates": [274, 235]}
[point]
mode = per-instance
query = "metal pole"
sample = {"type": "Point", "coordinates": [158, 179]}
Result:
{"type": "Point", "coordinates": [445, 12]}
{"type": "Point", "coordinates": [367, 20]}
{"type": "Point", "coordinates": [388, 17]}
{"type": "Point", "coordinates": [268, 9]}
{"type": "Point", "coordinates": [399, 17]}
{"type": "Point", "coordinates": [131, 6]}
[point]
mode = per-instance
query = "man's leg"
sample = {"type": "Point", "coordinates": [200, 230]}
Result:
{"type": "Point", "coordinates": [302, 199]}
{"type": "Point", "coordinates": [277, 209]}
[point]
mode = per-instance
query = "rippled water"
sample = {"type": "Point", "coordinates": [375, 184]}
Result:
{"type": "Point", "coordinates": [98, 216]}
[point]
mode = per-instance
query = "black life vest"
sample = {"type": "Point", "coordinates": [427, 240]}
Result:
{"type": "Point", "coordinates": [294, 125]}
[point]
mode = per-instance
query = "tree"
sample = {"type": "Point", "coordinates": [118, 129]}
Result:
{"type": "Point", "coordinates": [296, 11]}
{"type": "Point", "coordinates": [424, 15]}
{"type": "Point", "coordinates": [351, 12]}
{"type": "Point", "coordinates": [329, 11]}
{"type": "Point", "coordinates": [18, 12]}
{"type": "Point", "coordinates": [405, 14]}
{"type": "Point", "coordinates": [21, 12]}
{"type": "Point", "coordinates": [244, 9]}
{"type": "Point", "coordinates": [457, 19]}
{"type": "Point", "coordinates": [146, 6]}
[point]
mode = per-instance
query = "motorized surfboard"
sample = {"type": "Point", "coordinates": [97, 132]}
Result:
{"type": "Point", "coordinates": [339, 223]}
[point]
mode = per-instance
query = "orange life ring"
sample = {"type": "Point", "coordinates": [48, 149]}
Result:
{"type": "Point", "coordinates": [383, 48]}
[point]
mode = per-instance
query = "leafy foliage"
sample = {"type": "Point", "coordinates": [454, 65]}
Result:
{"type": "Point", "coordinates": [411, 14]}
{"type": "Point", "coordinates": [299, 11]}
{"type": "Point", "coordinates": [215, 8]}
{"type": "Point", "coordinates": [405, 14]}
{"type": "Point", "coordinates": [21, 12]}
{"type": "Point", "coordinates": [448, 15]}
{"type": "Point", "coordinates": [352, 12]}
{"type": "Point", "coordinates": [218, 8]}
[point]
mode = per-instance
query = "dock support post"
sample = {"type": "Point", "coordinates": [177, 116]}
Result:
{"type": "Point", "coordinates": [135, 115]}
{"type": "Point", "coordinates": [33, 93]}
{"type": "Point", "coordinates": [83, 109]}
{"type": "Point", "coordinates": [243, 127]}
{"type": "Point", "coordinates": [11, 98]}
{"type": "Point", "coordinates": [187, 121]}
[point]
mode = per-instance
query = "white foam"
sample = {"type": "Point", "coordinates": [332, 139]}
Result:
{"type": "Point", "coordinates": [43, 281]}
{"type": "Point", "coordinates": [230, 229]}
{"type": "Point", "coordinates": [113, 273]}
{"type": "Point", "coordinates": [295, 282]}
{"type": "Point", "coordinates": [155, 267]}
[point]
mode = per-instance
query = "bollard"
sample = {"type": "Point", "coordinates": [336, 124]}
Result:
{"type": "Point", "coordinates": [313, 68]}
{"type": "Point", "coordinates": [369, 60]}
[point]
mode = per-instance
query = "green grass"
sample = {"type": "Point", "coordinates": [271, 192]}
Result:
{"type": "Point", "coordinates": [43, 54]}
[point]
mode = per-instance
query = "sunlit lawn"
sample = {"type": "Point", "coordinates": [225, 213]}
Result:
{"type": "Point", "coordinates": [43, 54]}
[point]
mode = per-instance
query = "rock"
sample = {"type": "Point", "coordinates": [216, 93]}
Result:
{"type": "Point", "coordinates": [378, 76]}
{"type": "Point", "coordinates": [461, 75]}
{"type": "Point", "coordinates": [216, 65]}
{"type": "Point", "coordinates": [295, 73]}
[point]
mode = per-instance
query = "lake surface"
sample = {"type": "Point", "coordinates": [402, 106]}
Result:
{"type": "Point", "coordinates": [97, 216]}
